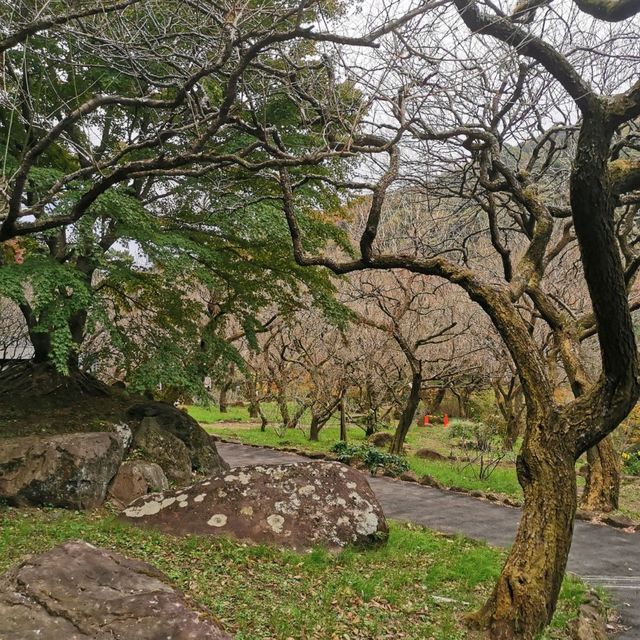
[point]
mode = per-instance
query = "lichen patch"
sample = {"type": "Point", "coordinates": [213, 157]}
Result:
{"type": "Point", "coordinates": [147, 509]}
{"type": "Point", "coordinates": [275, 522]}
{"type": "Point", "coordinates": [217, 520]}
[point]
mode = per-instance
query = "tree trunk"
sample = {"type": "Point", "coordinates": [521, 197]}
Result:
{"type": "Point", "coordinates": [77, 324]}
{"type": "Point", "coordinates": [513, 431]}
{"type": "Point", "coordinates": [263, 419]}
{"type": "Point", "coordinates": [314, 431]}
{"type": "Point", "coordinates": [408, 413]}
{"type": "Point", "coordinates": [437, 401]}
{"type": "Point", "coordinates": [281, 399]}
{"type": "Point", "coordinates": [343, 419]}
{"type": "Point", "coordinates": [254, 402]}
{"type": "Point", "coordinates": [40, 340]}
{"type": "Point", "coordinates": [223, 403]}
{"type": "Point", "coordinates": [525, 597]}
{"type": "Point", "coordinates": [370, 428]}
{"type": "Point", "coordinates": [602, 489]}
{"type": "Point", "coordinates": [41, 346]}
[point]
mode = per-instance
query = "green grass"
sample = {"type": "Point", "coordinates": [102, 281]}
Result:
{"type": "Point", "coordinates": [260, 592]}
{"type": "Point", "coordinates": [212, 414]}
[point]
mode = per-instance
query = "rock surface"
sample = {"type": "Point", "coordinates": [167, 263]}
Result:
{"type": "Point", "coordinates": [161, 421]}
{"type": "Point", "coordinates": [161, 447]}
{"type": "Point", "coordinates": [71, 470]}
{"type": "Point", "coordinates": [136, 478]}
{"type": "Point", "coordinates": [293, 505]}
{"type": "Point", "coordinates": [381, 439]}
{"type": "Point", "coordinates": [79, 592]}
{"type": "Point", "coordinates": [618, 521]}
{"type": "Point", "coordinates": [429, 454]}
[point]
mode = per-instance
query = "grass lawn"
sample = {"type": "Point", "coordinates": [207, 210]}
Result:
{"type": "Point", "coordinates": [414, 587]}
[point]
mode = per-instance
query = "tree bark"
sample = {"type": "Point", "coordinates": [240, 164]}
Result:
{"type": "Point", "coordinates": [408, 414]}
{"type": "Point", "coordinates": [263, 419]}
{"type": "Point", "coordinates": [437, 401]}
{"type": "Point", "coordinates": [314, 431]}
{"type": "Point", "coordinates": [281, 399]}
{"type": "Point", "coordinates": [524, 599]}
{"type": "Point", "coordinates": [225, 388]}
{"type": "Point", "coordinates": [223, 403]}
{"type": "Point", "coordinates": [254, 401]}
{"type": "Point", "coordinates": [40, 340]}
{"type": "Point", "coordinates": [343, 419]}
{"type": "Point", "coordinates": [602, 489]}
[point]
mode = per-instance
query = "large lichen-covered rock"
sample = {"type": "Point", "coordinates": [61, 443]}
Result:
{"type": "Point", "coordinates": [157, 445]}
{"type": "Point", "coordinates": [167, 419]}
{"type": "Point", "coordinates": [71, 470]}
{"type": "Point", "coordinates": [293, 505]}
{"type": "Point", "coordinates": [79, 592]}
{"type": "Point", "coordinates": [136, 478]}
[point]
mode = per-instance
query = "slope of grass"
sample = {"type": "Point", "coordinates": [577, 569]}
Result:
{"type": "Point", "coordinates": [415, 587]}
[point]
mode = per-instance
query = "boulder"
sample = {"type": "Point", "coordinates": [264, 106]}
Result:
{"type": "Point", "coordinates": [293, 505]}
{"type": "Point", "coordinates": [136, 478]}
{"type": "Point", "coordinates": [161, 447]}
{"type": "Point", "coordinates": [71, 470]}
{"type": "Point", "coordinates": [381, 439]}
{"type": "Point", "coordinates": [618, 521]}
{"type": "Point", "coordinates": [168, 419]}
{"type": "Point", "coordinates": [590, 624]}
{"type": "Point", "coordinates": [409, 476]}
{"type": "Point", "coordinates": [79, 592]}
{"type": "Point", "coordinates": [429, 454]}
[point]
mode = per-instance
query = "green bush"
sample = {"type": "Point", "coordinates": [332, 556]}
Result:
{"type": "Point", "coordinates": [345, 452]}
{"type": "Point", "coordinates": [371, 457]}
{"type": "Point", "coordinates": [476, 435]}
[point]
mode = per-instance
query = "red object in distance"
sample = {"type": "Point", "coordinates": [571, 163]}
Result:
{"type": "Point", "coordinates": [425, 421]}
{"type": "Point", "coordinates": [445, 421]}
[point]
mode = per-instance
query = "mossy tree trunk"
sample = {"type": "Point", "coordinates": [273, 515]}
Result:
{"type": "Point", "coordinates": [525, 596]}
{"type": "Point", "coordinates": [602, 488]}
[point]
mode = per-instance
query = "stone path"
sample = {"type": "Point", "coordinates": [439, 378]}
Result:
{"type": "Point", "coordinates": [601, 555]}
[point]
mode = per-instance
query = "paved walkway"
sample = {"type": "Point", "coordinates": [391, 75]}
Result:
{"type": "Point", "coordinates": [601, 555]}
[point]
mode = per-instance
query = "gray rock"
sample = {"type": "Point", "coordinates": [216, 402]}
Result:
{"type": "Point", "coordinates": [590, 624]}
{"type": "Point", "coordinates": [381, 439]}
{"type": "Point", "coordinates": [136, 478]}
{"type": "Point", "coordinates": [292, 505]}
{"type": "Point", "coordinates": [618, 521]}
{"type": "Point", "coordinates": [163, 448]}
{"type": "Point", "coordinates": [168, 419]}
{"type": "Point", "coordinates": [71, 470]}
{"type": "Point", "coordinates": [79, 592]}
{"type": "Point", "coordinates": [429, 454]}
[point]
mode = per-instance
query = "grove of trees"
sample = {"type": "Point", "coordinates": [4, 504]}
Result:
{"type": "Point", "coordinates": [323, 202]}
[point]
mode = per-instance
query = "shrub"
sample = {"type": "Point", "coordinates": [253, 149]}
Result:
{"type": "Point", "coordinates": [476, 435]}
{"type": "Point", "coordinates": [371, 457]}
{"type": "Point", "coordinates": [345, 452]}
